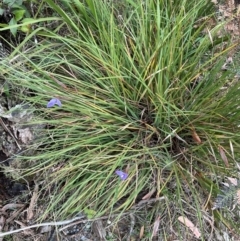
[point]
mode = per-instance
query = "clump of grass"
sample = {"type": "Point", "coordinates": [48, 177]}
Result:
{"type": "Point", "coordinates": [139, 89]}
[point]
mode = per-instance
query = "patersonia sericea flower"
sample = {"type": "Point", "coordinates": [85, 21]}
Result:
{"type": "Point", "coordinates": [54, 101]}
{"type": "Point", "coordinates": [121, 174]}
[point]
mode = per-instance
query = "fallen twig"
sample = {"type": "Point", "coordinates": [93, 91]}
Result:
{"type": "Point", "coordinates": [40, 225]}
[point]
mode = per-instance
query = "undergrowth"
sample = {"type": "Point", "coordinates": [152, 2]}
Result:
{"type": "Point", "coordinates": [141, 88]}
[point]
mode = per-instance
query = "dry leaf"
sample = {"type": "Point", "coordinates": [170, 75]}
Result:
{"type": "Point", "coordinates": [233, 181]}
{"type": "Point", "coordinates": [25, 135]}
{"type": "Point", "coordinates": [141, 232]}
{"type": "Point", "coordinates": [45, 229]}
{"type": "Point", "coordinates": [226, 184]}
{"type": "Point", "coordinates": [238, 197]}
{"type": "Point", "coordinates": [156, 226]}
{"type": "Point", "coordinates": [190, 225]}
{"type": "Point", "coordinates": [223, 156]}
{"type": "Point", "coordinates": [30, 212]}
{"type": "Point", "coordinates": [11, 206]}
{"type": "Point", "coordinates": [148, 195]}
{"type": "Point", "coordinates": [196, 137]}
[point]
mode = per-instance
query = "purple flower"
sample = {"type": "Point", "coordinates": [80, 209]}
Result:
{"type": "Point", "coordinates": [54, 101]}
{"type": "Point", "coordinates": [122, 175]}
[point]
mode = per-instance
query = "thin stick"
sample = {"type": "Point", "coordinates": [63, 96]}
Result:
{"type": "Point", "coordinates": [40, 225]}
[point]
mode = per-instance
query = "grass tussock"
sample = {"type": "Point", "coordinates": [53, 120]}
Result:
{"type": "Point", "coordinates": [141, 87]}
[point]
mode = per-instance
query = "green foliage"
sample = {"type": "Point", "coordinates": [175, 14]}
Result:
{"type": "Point", "coordinates": [134, 84]}
{"type": "Point", "coordinates": [228, 197]}
{"type": "Point", "coordinates": [89, 213]}
{"type": "Point", "coordinates": [19, 14]}
{"type": "Point", "coordinates": [13, 2]}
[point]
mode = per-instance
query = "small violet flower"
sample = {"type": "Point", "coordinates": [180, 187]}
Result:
{"type": "Point", "coordinates": [54, 101]}
{"type": "Point", "coordinates": [122, 175]}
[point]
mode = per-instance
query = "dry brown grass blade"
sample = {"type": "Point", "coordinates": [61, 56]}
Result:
{"type": "Point", "coordinates": [196, 137]}
{"type": "Point", "coordinates": [190, 225]}
{"type": "Point", "coordinates": [156, 227]}
{"type": "Point", "coordinates": [141, 233]}
{"type": "Point", "coordinates": [223, 156]}
{"type": "Point", "coordinates": [148, 195]}
{"type": "Point", "coordinates": [30, 212]}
